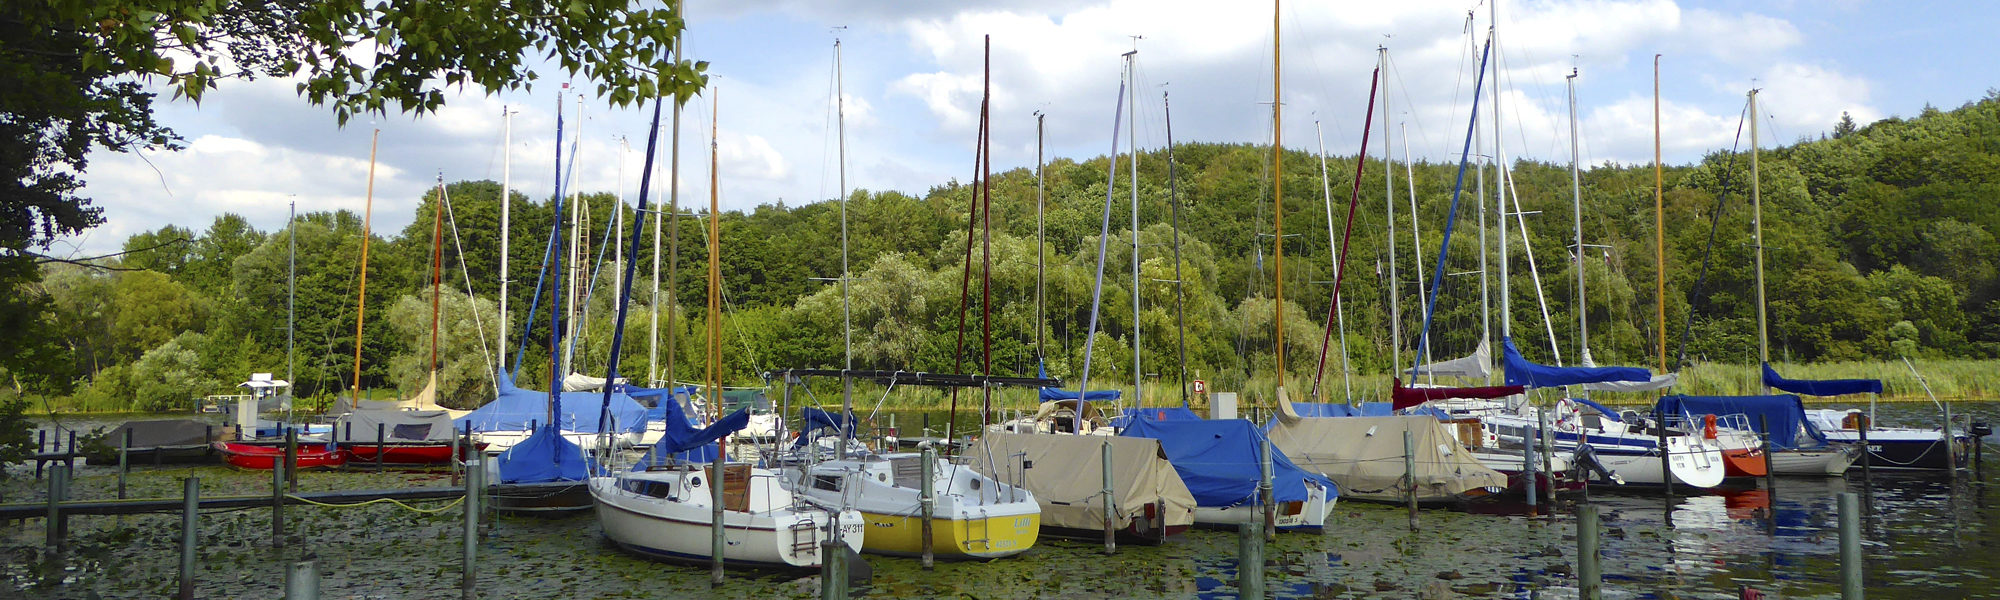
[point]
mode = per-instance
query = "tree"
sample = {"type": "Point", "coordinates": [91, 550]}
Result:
{"type": "Point", "coordinates": [1845, 127]}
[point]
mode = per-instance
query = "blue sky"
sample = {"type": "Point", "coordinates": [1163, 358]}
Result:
{"type": "Point", "coordinates": [912, 69]}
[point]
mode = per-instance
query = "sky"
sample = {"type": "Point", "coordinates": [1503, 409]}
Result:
{"type": "Point", "coordinates": [911, 73]}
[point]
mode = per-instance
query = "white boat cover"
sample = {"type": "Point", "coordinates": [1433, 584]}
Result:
{"type": "Point", "coordinates": [578, 382]}
{"type": "Point", "coordinates": [1477, 365]}
{"type": "Point", "coordinates": [1658, 382]}
{"type": "Point", "coordinates": [1364, 456]}
{"type": "Point", "coordinates": [1067, 477]}
{"type": "Point", "coordinates": [426, 400]}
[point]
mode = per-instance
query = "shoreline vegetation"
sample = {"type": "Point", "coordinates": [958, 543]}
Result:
{"type": "Point", "coordinates": [1949, 379]}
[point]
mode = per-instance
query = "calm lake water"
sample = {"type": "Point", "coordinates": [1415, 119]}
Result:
{"type": "Point", "coordinates": [1928, 537]}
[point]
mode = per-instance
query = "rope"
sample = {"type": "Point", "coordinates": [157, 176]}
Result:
{"type": "Point", "coordinates": [394, 501]}
{"type": "Point", "coordinates": [472, 300]}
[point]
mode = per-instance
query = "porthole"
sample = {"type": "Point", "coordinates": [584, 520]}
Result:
{"type": "Point", "coordinates": [694, 481]}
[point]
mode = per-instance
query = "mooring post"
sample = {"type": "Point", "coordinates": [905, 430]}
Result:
{"type": "Point", "coordinates": [1666, 455]}
{"type": "Point", "coordinates": [70, 454]}
{"type": "Point", "coordinates": [58, 523]}
{"type": "Point", "coordinates": [1249, 560]}
{"type": "Point", "coordinates": [124, 458]}
{"type": "Point", "coordinates": [381, 429]}
{"type": "Point", "coordinates": [1589, 576]}
{"type": "Point", "coordinates": [475, 475]}
{"type": "Point", "coordinates": [928, 501]}
{"type": "Point", "coordinates": [1110, 503]}
{"type": "Point", "coordinates": [41, 446]}
{"type": "Point", "coordinates": [1867, 453]}
{"type": "Point", "coordinates": [1528, 467]}
{"type": "Point", "coordinates": [278, 504]}
{"type": "Point", "coordinates": [1264, 493]}
{"type": "Point", "coordinates": [190, 509]}
{"type": "Point", "coordinates": [833, 567]}
{"type": "Point", "coordinates": [302, 581]}
{"type": "Point", "coordinates": [1950, 444]}
{"type": "Point", "coordinates": [1770, 468]}
{"type": "Point", "coordinates": [292, 459]}
{"type": "Point", "coordinates": [1410, 475]}
{"type": "Point", "coordinates": [1850, 546]}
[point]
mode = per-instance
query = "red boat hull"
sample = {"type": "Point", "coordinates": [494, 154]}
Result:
{"type": "Point", "coordinates": [403, 454]}
{"type": "Point", "coordinates": [262, 458]}
{"type": "Point", "coordinates": [1744, 463]}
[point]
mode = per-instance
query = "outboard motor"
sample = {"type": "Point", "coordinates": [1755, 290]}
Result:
{"type": "Point", "coordinates": [1584, 460]}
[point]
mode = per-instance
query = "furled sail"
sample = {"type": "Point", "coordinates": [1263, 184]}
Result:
{"type": "Point", "coordinates": [1478, 365]}
{"type": "Point", "coordinates": [1658, 382]}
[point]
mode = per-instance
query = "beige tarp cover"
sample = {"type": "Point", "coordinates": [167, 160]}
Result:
{"type": "Point", "coordinates": [1067, 477]}
{"type": "Point", "coordinates": [397, 426]}
{"type": "Point", "coordinates": [1364, 456]}
{"type": "Point", "coordinates": [427, 400]}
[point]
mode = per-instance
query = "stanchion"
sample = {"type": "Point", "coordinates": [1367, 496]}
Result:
{"type": "Point", "coordinates": [1850, 547]}
{"type": "Point", "coordinates": [302, 581]}
{"type": "Point", "coordinates": [1589, 576]}
{"type": "Point", "coordinates": [1110, 503]}
{"type": "Point", "coordinates": [190, 505]}
{"type": "Point", "coordinates": [475, 482]}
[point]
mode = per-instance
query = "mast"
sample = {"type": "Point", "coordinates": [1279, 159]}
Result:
{"type": "Point", "coordinates": [506, 209]}
{"type": "Point", "coordinates": [1485, 286]}
{"type": "Point", "coordinates": [556, 317]}
{"type": "Point", "coordinates": [1278, 193]}
{"type": "Point", "coordinates": [1180, 281]}
{"type": "Point", "coordinates": [1340, 312]}
{"type": "Point", "coordinates": [840, 112]}
{"type": "Point", "coordinates": [1416, 243]}
{"type": "Point", "coordinates": [1132, 139]}
{"type": "Point", "coordinates": [1041, 252]}
{"type": "Point", "coordinates": [986, 236]}
{"type": "Point", "coordinates": [1659, 222]}
{"type": "Point", "coordinates": [437, 270]}
{"type": "Point", "coordinates": [577, 254]}
{"type": "Point", "coordinates": [716, 544]}
{"type": "Point", "coordinates": [361, 300]}
{"type": "Point", "coordinates": [1389, 222]}
{"type": "Point", "coordinates": [1757, 237]}
{"type": "Point", "coordinates": [1576, 210]}
{"type": "Point", "coordinates": [1500, 187]}
{"type": "Point", "coordinates": [674, 231]}
{"type": "Point", "coordinates": [291, 285]}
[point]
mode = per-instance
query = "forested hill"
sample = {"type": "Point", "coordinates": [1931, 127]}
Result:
{"type": "Point", "coordinates": [1880, 242]}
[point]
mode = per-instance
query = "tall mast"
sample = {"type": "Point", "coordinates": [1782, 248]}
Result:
{"type": "Point", "coordinates": [506, 209]}
{"type": "Point", "coordinates": [1659, 223]}
{"type": "Point", "coordinates": [618, 216]}
{"type": "Point", "coordinates": [1132, 139]}
{"type": "Point", "coordinates": [715, 334]}
{"type": "Point", "coordinates": [1416, 243]}
{"type": "Point", "coordinates": [1180, 281]}
{"type": "Point", "coordinates": [673, 231]}
{"type": "Point", "coordinates": [1757, 237]}
{"type": "Point", "coordinates": [556, 317]}
{"type": "Point", "coordinates": [1278, 193]}
{"type": "Point", "coordinates": [840, 112]}
{"type": "Point", "coordinates": [1041, 253]}
{"type": "Point", "coordinates": [437, 270]}
{"type": "Point", "coordinates": [1500, 172]}
{"type": "Point", "coordinates": [986, 234]}
{"type": "Point", "coordinates": [361, 301]}
{"type": "Point", "coordinates": [291, 285]}
{"type": "Point", "coordinates": [1340, 312]}
{"type": "Point", "coordinates": [577, 253]}
{"type": "Point", "coordinates": [1389, 222]}
{"type": "Point", "coordinates": [1485, 285]}
{"type": "Point", "coordinates": [1576, 210]}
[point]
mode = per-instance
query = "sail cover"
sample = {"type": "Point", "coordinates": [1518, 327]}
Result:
{"type": "Point", "coordinates": [817, 419]}
{"type": "Point", "coordinates": [1364, 456]}
{"type": "Point", "coordinates": [1404, 397]}
{"type": "Point", "coordinates": [1821, 387]}
{"type": "Point", "coordinates": [1066, 474]}
{"type": "Point", "coordinates": [1785, 412]}
{"type": "Point", "coordinates": [1219, 462]}
{"type": "Point", "coordinates": [515, 409]}
{"type": "Point", "coordinates": [1050, 394]}
{"type": "Point", "coordinates": [545, 456]}
{"type": "Point", "coordinates": [1658, 382]}
{"type": "Point", "coordinates": [1477, 365]}
{"type": "Point", "coordinates": [426, 399]}
{"type": "Point", "coordinates": [681, 437]}
{"type": "Point", "coordinates": [1523, 373]}
{"type": "Point", "coordinates": [397, 426]}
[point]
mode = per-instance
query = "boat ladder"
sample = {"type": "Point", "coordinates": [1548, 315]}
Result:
{"type": "Point", "coordinates": [985, 539]}
{"type": "Point", "coordinates": [805, 535]}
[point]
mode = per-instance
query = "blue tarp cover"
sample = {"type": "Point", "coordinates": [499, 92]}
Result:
{"type": "Point", "coordinates": [1366, 409]}
{"type": "Point", "coordinates": [1050, 394]}
{"type": "Point", "coordinates": [1601, 409]}
{"type": "Point", "coordinates": [1785, 413]}
{"type": "Point", "coordinates": [816, 419]}
{"type": "Point", "coordinates": [681, 441]}
{"type": "Point", "coordinates": [545, 456]}
{"type": "Point", "coordinates": [1523, 373]}
{"type": "Point", "coordinates": [658, 397]}
{"type": "Point", "coordinates": [1218, 460]}
{"type": "Point", "coordinates": [1165, 413]}
{"type": "Point", "coordinates": [515, 408]}
{"type": "Point", "coordinates": [1821, 387]}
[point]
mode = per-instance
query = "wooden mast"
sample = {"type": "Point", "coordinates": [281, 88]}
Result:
{"type": "Point", "coordinates": [437, 270]}
{"type": "Point", "coordinates": [1278, 193]}
{"type": "Point", "coordinates": [361, 297]}
{"type": "Point", "coordinates": [715, 340]}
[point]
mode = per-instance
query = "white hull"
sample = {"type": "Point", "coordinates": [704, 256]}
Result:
{"type": "Point", "coordinates": [677, 525]}
{"type": "Point", "coordinates": [1700, 465]}
{"type": "Point", "coordinates": [1831, 462]}
{"type": "Point", "coordinates": [1310, 514]}
{"type": "Point", "coordinates": [888, 490]}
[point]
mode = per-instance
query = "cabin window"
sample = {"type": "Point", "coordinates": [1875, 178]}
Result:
{"type": "Point", "coordinates": [829, 483]}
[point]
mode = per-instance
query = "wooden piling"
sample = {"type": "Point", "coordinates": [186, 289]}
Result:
{"type": "Point", "coordinates": [381, 429]}
{"type": "Point", "coordinates": [475, 476]}
{"type": "Point", "coordinates": [1950, 444]}
{"type": "Point", "coordinates": [928, 502]}
{"type": "Point", "coordinates": [832, 568]}
{"type": "Point", "coordinates": [1589, 575]}
{"type": "Point", "coordinates": [1867, 453]}
{"type": "Point", "coordinates": [278, 505]}
{"type": "Point", "coordinates": [1666, 455]}
{"type": "Point", "coordinates": [190, 509]}
{"type": "Point", "coordinates": [58, 523]}
{"type": "Point", "coordinates": [1249, 561]}
{"type": "Point", "coordinates": [1770, 469]}
{"type": "Point", "coordinates": [124, 460]}
{"type": "Point", "coordinates": [1110, 503]}
{"type": "Point", "coordinates": [1264, 493]}
{"type": "Point", "coordinates": [1850, 547]}
{"type": "Point", "coordinates": [302, 581]}
{"type": "Point", "coordinates": [292, 459]}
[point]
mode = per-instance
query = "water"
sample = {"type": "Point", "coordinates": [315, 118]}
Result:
{"type": "Point", "coordinates": [1929, 536]}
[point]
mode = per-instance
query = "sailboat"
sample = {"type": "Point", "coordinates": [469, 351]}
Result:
{"type": "Point", "coordinates": [719, 513]}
